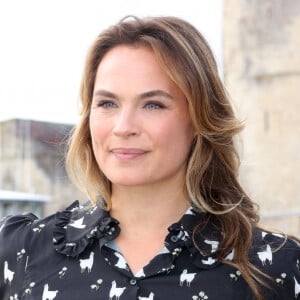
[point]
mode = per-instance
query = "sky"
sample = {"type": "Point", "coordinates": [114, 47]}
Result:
{"type": "Point", "coordinates": [44, 44]}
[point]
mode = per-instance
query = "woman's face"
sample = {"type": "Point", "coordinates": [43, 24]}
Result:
{"type": "Point", "coordinates": [140, 126]}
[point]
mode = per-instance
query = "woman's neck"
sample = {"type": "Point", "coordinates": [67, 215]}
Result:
{"type": "Point", "coordinates": [145, 213]}
{"type": "Point", "coordinates": [153, 208]}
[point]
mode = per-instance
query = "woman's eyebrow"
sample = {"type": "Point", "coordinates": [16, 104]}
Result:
{"type": "Point", "coordinates": [105, 94]}
{"type": "Point", "coordinates": [155, 93]}
{"type": "Point", "coordinates": [148, 94]}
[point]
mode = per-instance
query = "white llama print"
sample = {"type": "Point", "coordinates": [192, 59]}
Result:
{"type": "Point", "coordinates": [266, 255]}
{"type": "Point", "coordinates": [121, 263]}
{"type": "Point", "coordinates": [8, 274]}
{"type": "Point", "coordinates": [190, 211]}
{"type": "Point", "coordinates": [230, 255]}
{"type": "Point", "coordinates": [214, 245]}
{"type": "Point", "coordinates": [47, 294]}
{"type": "Point", "coordinates": [116, 292]}
{"type": "Point", "coordinates": [78, 223]}
{"type": "Point", "coordinates": [151, 297]}
{"type": "Point", "coordinates": [140, 273]}
{"type": "Point", "coordinates": [297, 288]}
{"type": "Point", "coordinates": [87, 264]}
{"type": "Point", "coordinates": [186, 277]}
{"type": "Point", "coordinates": [208, 261]}
{"type": "Point", "coordinates": [263, 234]}
{"type": "Point", "coordinates": [94, 230]}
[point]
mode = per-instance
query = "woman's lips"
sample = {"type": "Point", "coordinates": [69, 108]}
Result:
{"type": "Point", "coordinates": [127, 154]}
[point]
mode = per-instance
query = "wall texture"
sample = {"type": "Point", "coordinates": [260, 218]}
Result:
{"type": "Point", "coordinates": [262, 74]}
{"type": "Point", "coordinates": [32, 161]}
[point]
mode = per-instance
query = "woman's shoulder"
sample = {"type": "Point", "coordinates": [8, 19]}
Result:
{"type": "Point", "coordinates": [269, 248]}
{"type": "Point", "coordinates": [16, 227]}
{"type": "Point", "coordinates": [27, 228]}
{"type": "Point", "coordinates": [274, 242]}
{"type": "Point", "coordinates": [15, 222]}
{"type": "Point", "coordinates": [68, 231]}
{"type": "Point", "coordinates": [16, 231]}
{"type": "Point", "coordinates": [277, 256]}
{"type": "Point", "coordinates": [22, 237]}
{"type": "Point", "coordinates": [25, 222]}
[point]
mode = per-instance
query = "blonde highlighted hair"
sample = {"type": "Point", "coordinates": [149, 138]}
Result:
{"type": "Point", "coordinates": [212, 167]}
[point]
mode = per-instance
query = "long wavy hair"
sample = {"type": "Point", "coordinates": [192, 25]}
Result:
{"type": "Point", "coordinates": [212, 167]}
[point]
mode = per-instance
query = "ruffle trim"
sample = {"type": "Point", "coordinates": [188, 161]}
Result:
{"type": "Point", "coordinates": [78, 227]}
{"type": "Point", "coordinates": [180, 235]}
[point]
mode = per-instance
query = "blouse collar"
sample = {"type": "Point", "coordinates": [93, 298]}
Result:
{"type": "Point", "coordinates": [78, 227]}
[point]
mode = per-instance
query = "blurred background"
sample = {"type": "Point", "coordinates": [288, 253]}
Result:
{"type": "Point", "coordinates": [43, 47]}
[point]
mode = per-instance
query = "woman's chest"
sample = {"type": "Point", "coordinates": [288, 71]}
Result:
{"type": "Point", "coordinates": [98, 275]}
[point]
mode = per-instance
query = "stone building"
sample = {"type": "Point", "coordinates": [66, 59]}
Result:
{"type": "Point", "coordinates": [12, 202]}
{"type": "Point", "coordinates": [261, 63]}
{"type": "Point", "coordinates": [32, 164]}
{"type": "Point", "coordinates": [261, 45]}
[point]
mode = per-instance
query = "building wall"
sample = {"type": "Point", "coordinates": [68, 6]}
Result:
{"type": "Point", "coordinates": [262, 74]}
{"type": "Point", "coordinates": [32, 161]}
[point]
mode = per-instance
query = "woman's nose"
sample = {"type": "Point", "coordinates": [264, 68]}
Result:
{"type": "Point", "coordinates": [126, 123]}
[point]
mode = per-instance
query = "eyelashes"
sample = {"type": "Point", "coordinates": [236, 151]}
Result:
{"type": "Point", "coordinates": [151, 105]}
{"type": "Point", "coordinates": [107, 104]}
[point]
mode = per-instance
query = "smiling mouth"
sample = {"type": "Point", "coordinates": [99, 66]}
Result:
{"type": "Point", "coordinates": [128, 153]}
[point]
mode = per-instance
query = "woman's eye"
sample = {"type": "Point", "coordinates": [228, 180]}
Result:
{"type": "Point", "coordinates": [154, 105]}
{"type": "Point", "coordinates": [106, 104]}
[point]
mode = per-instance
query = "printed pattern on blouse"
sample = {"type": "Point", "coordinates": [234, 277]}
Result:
{"type": "Point", "coordinates": [71, 255]}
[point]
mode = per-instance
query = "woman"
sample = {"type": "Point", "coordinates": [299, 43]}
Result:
{"type": "Point", "coordinates": [154, 151]}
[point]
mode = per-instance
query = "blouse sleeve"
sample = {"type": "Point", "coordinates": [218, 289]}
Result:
{"type": "Point", "coordinates": [14, 237]}
{"type": "Point", "coordinates": [291, 273]}
{"type": "Point", "coordinates": [285, 266]}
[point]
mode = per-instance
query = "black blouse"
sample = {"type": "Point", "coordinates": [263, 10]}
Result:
{"type": "Point", "coordinates": [71, 255]}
